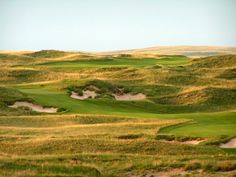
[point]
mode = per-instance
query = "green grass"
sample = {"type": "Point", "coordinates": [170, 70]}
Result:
{"type": "Point", "coordinates": [206, 125]}
{"type": "Point", "coordinates": [118, 62]}
{"type": "Point", "coordinates": [60, 98]}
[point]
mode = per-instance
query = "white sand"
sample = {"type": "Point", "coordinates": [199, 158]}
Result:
{"type": "Point", "coordinates": [33, 106]}
{"type": "Point", "coordinates": [229, 144]}
{"type": "Point", "coordinates": [129, 97]}
{"type": "Point", "coordinates": [86, 94]}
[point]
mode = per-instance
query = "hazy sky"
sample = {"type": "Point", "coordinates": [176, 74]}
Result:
{"type": "Point", "coordinates": [100, 25]}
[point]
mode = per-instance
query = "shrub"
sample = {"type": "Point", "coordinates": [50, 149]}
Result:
{"type": "Point", "coordinates": [130, 136]}
{"type": "Point", "coordinates": [61, 110]}
{"type": "Point", "coordinates": [225, 166]}
{"type": "Point", "coordinates": [165, 137]}
{"type": "Point", "coordinates": [193, 166]}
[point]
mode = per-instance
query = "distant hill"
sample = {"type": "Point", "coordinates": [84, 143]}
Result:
{"type": "Point", "coordinates": [47, 54]}
{"type": "Point", "coordinates": [190, 51]}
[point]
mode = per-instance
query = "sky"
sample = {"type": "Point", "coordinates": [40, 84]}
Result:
{"type": "Point", "coordinates": [105, 25]}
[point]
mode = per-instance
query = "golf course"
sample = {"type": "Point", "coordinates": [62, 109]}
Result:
{"type": "Point", "coordinates": [118, 114]}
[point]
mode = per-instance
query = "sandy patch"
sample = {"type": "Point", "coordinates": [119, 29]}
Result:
{"type": "Point", "coordinates": [34, 107]}
{"type": "Point", "coordinates": [229, 144]}
{"type": "Point", "coordinates": [153, 173]}
{"type": "Point", "coordinates": [192, 89]}
{"type": "Point", "coordinates": [129, 97]}
{"type": "Point", "coordinates": [86, 94]}
{"type": "Point", "coordinates": [193, 142]}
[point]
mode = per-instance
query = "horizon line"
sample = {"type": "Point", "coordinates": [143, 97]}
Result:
{"type": "Point", "coordinates": [120, 50]}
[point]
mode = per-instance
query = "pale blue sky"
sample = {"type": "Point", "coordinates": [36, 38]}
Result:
{"type": "Point", "coordinates": [101, 25]}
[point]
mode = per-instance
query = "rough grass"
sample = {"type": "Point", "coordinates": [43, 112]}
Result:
{"type": "Point", "coordinates": [7, 97]}
{"type": "Point", "coordinates": [209, 96]}
{"type": "Point", "coordinates": [74, 145]}
{"type": "Point", "coordinates": [215, 61]}
{"type": "Point", "coordinates": [228, 74]}
{"type": "Point", "coordinates": [47, 54]}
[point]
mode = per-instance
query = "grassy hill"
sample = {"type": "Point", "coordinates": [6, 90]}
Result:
{"type": "Point", "coordinates": [186, 100]}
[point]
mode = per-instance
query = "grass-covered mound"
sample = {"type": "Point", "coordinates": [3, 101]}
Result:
{"type": "Point", "coordinates": [215, 61]}
{"type": "Point", "coordinates": [24, 75]}
{"type": "Point", "coordinates": [10, 95]}
{"type": "Point", "coordinates": [106, 88]}
{"type": "Point", "coordinates": [7, 97]}
{"type": "Point", "coordinates": [47, 54]}
{"type": "Point", "coordinates": [13, 57]}
{"type": "Point", "coordinates": [229, 74]}
{"type": "Point", "coordinates": [203, 96]}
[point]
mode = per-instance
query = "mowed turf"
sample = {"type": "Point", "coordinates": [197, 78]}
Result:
{"type": "Point", "coordinates": [131, 62]}
{"type": "Point", "coordinates": [205, 124]}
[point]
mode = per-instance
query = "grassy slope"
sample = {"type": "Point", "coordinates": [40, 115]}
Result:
{"type": "Point", "coordinates": [7, 97]}
{"type": "Point", "coordinates": [88, 146]}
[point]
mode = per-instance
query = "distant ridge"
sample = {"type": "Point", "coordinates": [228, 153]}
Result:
{"type": "Point", "coordinates": [190, 51]}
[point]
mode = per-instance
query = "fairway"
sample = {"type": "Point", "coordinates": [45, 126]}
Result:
{"type": "Point", "coordinates": [118, 62]}
{"type": "Point", "coordinates": [204, 124]}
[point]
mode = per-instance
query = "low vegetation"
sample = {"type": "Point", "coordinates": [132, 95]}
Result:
{"type": "Point", "coordinates": [187, 113]}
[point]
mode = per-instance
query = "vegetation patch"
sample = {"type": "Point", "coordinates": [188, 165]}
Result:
{"type": "Point", "coordinates": [168, 137]}
{"type": "Point", "coordinates": [219, 140]}
{"type": "Point", "coordinates": [180, 79]}
{"type": "Point", "coordinates": [130, 136]}
{"type": "Point", "coordinates": [24, 75]}
{"type": "Point", "coordinates": [215, 62]}
{"type": "Point", "coordinates": [207, 96]}
{"type": "Point", "coordinates": [229, 74]}
{"type": "Point", "coordinates": [47, 54]}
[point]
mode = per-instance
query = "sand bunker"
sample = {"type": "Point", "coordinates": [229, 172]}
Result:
{"type": "Point", "coordinates": [129, 97]}
{"type": "Point", "coordinates": [193, 142]}
{"type": "Point", "coordinates": [34, 107]}
{"type": "Point", "coordinates": [86, 94]}
{"type": "Point", "coordinates": [229, 144]}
